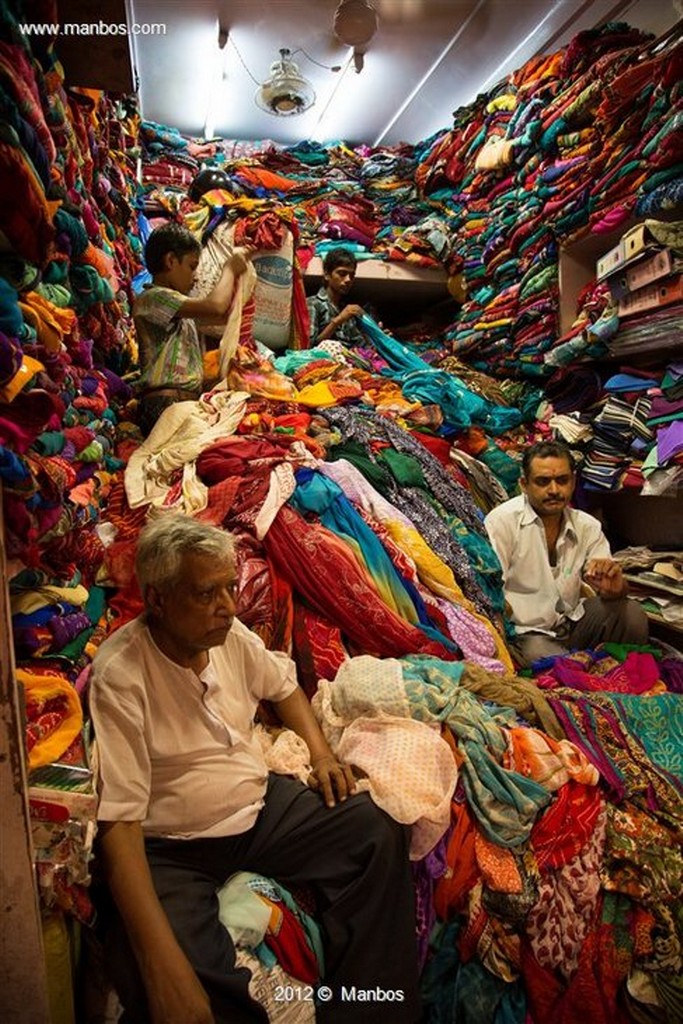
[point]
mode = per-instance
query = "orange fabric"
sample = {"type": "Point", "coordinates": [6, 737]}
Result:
{"type": "Point", "coordinates": [497, 865]}
{"type": "Point", "coordinates": [268, 179]}
{"type": "Point", "coordinates": [462, 871]}
{"type": "Point", "coordinates": [51, 322]}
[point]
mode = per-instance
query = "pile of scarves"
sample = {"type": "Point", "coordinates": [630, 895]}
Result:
{"type": "Point", "coordinates": [66, 341]}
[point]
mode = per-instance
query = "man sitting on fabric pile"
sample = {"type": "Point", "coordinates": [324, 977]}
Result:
{"type": "Point", "coordinates": [548, 551]}
{"type": "Point", "coordinates": [186, 801]}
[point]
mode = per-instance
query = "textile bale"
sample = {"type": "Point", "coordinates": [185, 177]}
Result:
{"type": "Point", "coordinates": [273, 294]}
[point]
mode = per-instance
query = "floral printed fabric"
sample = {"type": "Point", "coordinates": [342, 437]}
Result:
{"type": "Point", "coordinates": [567, 905]}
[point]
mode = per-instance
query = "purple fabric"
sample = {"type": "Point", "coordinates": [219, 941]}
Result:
{"type": "Point", "coordinates": [672, 674]}
{"type": "Point", "coordinates": [425, 872]}
{"type": "Point", "coordinates": [85, 471]}
{"type": "Point", "coordinates": [669, 441]}
{"type": "Point", "coordinates": [65, 628]}
{"type": "Point", "coordinates": [116, 387]}
{"type": "Point", "coordinates": [68, 452]}
{"type": "Point", "coordinates": [89, 386]}
{"type": "Point", "coordinates": [662, 406]}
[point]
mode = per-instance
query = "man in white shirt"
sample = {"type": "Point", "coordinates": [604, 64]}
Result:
{"type": "Point", "coordinates": [186, 800]}
{"type": "Point", "coordinates": [549, 552]}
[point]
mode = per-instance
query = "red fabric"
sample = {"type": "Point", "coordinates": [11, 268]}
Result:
{"type": "Point", "coordinates": [314, 560]}
{"type": "Point", "coordinates": [26, 417]}
{"type": "Point", "coordinates": [462, 871]}
{"type": "Point", "coordinates": [289, 944]}
{"type": "Point", "coordinates": [318, 648]}
{"type": "Point", "coordinates": [436, 445]}
{"type": "Point", "coordinates": [220, 500]}
{"type": "Point", "coordinates": [566, 825]}
{"type": "Point", "coordinates": [283, 611]}
{"type": "Point", "coordinates": [607, 956]}
{"type": "Point", "coordinates": [232, 456]}
{"type": "Point", "coordinates": [254, 590]}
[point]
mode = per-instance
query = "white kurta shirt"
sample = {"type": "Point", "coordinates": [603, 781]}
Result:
{"type": "Point", "coordinates": [543, 596]}
{"type": "Point", "coordinates": [178, 751]}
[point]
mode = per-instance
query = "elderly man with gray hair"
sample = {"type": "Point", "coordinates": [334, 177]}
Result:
{"type": "Point", "coordinates": [186, 800]}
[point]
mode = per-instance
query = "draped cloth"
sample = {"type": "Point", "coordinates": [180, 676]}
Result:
{"type": "Point", "coordinates": [314, 560]}
{"type": "Point", "coordinates": [503, 801]}
{"type": "Point", "coordinates": [181, 433]}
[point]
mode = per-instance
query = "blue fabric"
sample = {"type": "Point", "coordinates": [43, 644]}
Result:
{"type": "Point", "coordinates": [504, 802]}
{"type": "Point", "coordinates": [421, 382]}
{"type": "Point", "coordinates": [317, 493]}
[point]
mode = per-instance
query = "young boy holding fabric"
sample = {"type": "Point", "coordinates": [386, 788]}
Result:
{"type": "Point", "coordinates": [171, 353]}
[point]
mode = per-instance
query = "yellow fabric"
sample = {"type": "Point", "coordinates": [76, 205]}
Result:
{"type": "Point", "coordinates": [436, 575]}
{"type": "Point", "coordinates": [319, 394]}
{"type": "Point", "coordinates": [43, 688]}
{"type": "Point", "coordinates": [505, 102]}
{"type": "Point", "coordinates": [59, 969]}
{"type": "Point", "coordinates": [32, 600]}
{"type": "Point", "coordinates": [28, 369]}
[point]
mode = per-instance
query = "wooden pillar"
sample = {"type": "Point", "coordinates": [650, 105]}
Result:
{"type": "Point", "coordinates": [23, 981]}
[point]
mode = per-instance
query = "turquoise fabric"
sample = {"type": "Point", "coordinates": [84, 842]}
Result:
{"type": "Point", "coordinates": [504, 802]}
{"type": "Point", "coordinates": [318, 494]}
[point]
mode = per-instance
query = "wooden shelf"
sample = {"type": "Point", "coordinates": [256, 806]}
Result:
{"type": "Point", "coordinates": [578, 259]}
{"type": "Point", "coordinates": [385, 277]}
{"type": "Point", "coordinates": [400, 292]}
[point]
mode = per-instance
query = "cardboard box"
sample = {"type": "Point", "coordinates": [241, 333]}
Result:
{"type": "Point", "coordinates": [645, 271]}
{"type": "Point", "coordinates": [610, 262]}
{"type": "Point", "coordinates": [58, 792]}
{"type": "Point", "coordinates": [653, 296]}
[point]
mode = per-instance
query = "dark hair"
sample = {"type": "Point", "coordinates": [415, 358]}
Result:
{"type": "Point", "coordinates": [339, 258]}
{"type": "Point", "coordinates": [546, 450]}
{"type": "Point", "coordinates": [167, 238]}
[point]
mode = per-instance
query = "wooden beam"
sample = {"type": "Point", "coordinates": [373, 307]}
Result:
{"type": "Point", "coordinates": [93, 55]}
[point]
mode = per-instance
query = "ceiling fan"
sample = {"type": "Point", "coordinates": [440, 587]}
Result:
{"type": "Point", "coordinates": [286, 92]}
{"type": "Point", "coordinates": [355, 23]}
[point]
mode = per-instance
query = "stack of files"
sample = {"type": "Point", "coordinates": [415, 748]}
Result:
{"type": "Point", "coordinates": [652, 296]}
{"type": "Point", "coordinates": [660, 588]}
{"type": "Point", "coordinates": [631, 277]}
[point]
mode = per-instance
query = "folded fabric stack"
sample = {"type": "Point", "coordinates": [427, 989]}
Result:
{"type": "Point", "coordinates": [65, 341]}
{"type": "Point", "coordinates": [569, 143]}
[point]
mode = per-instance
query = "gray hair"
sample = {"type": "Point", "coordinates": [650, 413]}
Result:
{"type": "Point", "coordinates": [164, 542]}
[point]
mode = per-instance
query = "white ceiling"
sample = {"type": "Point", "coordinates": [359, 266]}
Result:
{"type": "Point", "coordinates": [427, 58]}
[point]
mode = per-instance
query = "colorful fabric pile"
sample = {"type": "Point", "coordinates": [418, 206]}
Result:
{"type": "Point", "coordinates": [570, 143]}
{"type": "Point", "coordinates": [65, 344]}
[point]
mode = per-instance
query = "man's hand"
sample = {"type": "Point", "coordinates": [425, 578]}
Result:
{"type": "Point", "coordinates": [348, 311]}
{"type": "Point", "coordinates": [330, 776]}
{"type": "Point", "coordinates": [605, 577]}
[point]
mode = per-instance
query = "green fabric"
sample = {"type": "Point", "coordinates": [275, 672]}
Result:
{"type": "Point", "coordinates": [405, 469]}
{"type": "Point", "coordinates": [57, 294]}
{"type": "Point", "coordinates": [357, 456]}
